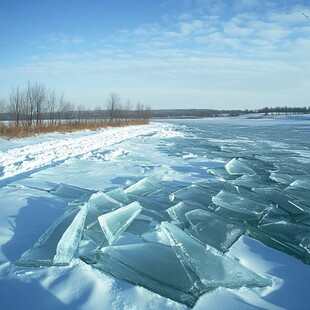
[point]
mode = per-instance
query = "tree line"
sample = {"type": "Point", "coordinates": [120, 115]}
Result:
{"type": "Point", "coordinates": [37, 105]}
{"type": "Point", "coordinates": [285, 110]}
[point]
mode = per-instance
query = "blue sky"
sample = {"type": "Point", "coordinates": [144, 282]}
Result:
{"type": "Point", "coordinates": [164, 53]}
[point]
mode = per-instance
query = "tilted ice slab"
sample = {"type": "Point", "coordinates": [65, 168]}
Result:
{"type": "Point", "coordinates": [236, 206]}
{"type": "Point", "coordinates": [119, 195]}
{"type": "Point", "coordinates": [251, 181]}
{"type": "Point", "coordinates": [288, 237]}
{"type": "Point", "coordinates": [213, 268]}
{"type": "Point", "coordinates": [213, 230]}
{"type": "Point", "coordinates": [70, 191]}
{"type": "Point", "coordinates": [145, 186]}
{"type": "Point", "coordinates": [115, 222]}
{"type": "Point", "coordinates": [193, 194]}
{"type": "Point", "coordinates": [151, 265]}
{"type": "Point", "coordinates": [100, 203]}
{"type": "Point", "coordinates": [177, 212]}
{"type": "Point", "coordinates": [283, 201]}
{"type": "Point", "coordinates": [59, 243]}
{"type": "Point", "coordinates": [237, 167]}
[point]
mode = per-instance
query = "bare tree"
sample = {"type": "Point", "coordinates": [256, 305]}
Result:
{"type": "Point", "coordinates": [127, 111]}
{"type": "Point", "coordinates": [139, 110]}
{"type": "Point", "coordinates": [2, 105]}
{"type": "Point", "coordinates": [81, 112]}
{"type": "Point", "coordinates": [38, 93]}
{"type": "Point", "coordinates": [3, 109]}
{"type": "Point", "coordinates": [15, 105]}
{"type": "Point", "coordinates": [67, 111]}
{"type": "Point", "coordinates": [113, 105]}
{"type": "Point", "coordinates": [61, 103]}
{"type": "Point", "coordinates": [147, 113]}
{"type": "Point", "coordinates": [51, 106]}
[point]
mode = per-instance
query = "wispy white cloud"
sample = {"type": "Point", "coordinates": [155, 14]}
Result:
{"type": "Point", "coordinates": [62, 38]}
{"type": "Point", "coordinates": [204, 51]}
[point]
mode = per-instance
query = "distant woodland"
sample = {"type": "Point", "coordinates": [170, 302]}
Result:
{"type": "Point", "coordinates": [35, 109]}
{"type": "Point", "coordinates": [199, 113]}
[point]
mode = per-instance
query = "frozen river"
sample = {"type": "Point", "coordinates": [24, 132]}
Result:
{"type": "Point", "coordinates": [208, 213]}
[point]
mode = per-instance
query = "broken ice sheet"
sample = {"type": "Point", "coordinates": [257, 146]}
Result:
{"type": "Point", "coordinates": [213, 230]}
{"type": "Point", "coordinates": [156, 236]}
{"type": "Point", "coordinates": [299, 193]}
{"type": "Point", "coordinates": [59, 243]}
{"type": "Point", "coordinates": [151, 265]}
{"type": "Point", "coordinates": [177, 212]}
{"type": "Point", "coordinates": [305, 243]}
{"type": "Point", "coordinates": [141, 224]}
{"type": "Point", "coordinates": [115, 222]}
{"type": "Point", "coordinates": [99, 203]}
{"type": "Point", "coordinates": [284, 236]}
{"type": "Point", "coordinates": [119, 195]}
{"type": "Point", "coordinates": [213, 268]}
{"type": "Point", "coordinates": [237, 206]}
{"type": "Point", "coordinates": [237, 167]}
{"type": "Point", "coordinates": [251, 181]}
{"type": "Point", "coordinates": [193, 194]}
{"type": "Point", "coordinates": [70, 191]}
{"type": "Point", "coordinates": [146, 186]}
{"type": "Point", "coordinates": [285, 202]}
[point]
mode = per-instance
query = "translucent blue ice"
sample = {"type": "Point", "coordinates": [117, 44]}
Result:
{"type": "Point", "coordinates": [213, 268]}
{"type": "Point", "coordinates": [59, 243]}
{"type": "Point", "coordinates": [115, 222]}
{"type": "Point", "coordinates": [152, 265]}
{"type": "Point", "coordinates": [213, 230]}
{"type": "Point", "coordinates": [237, 167]}
{"type": "Point", "coordinates": [282, 200]}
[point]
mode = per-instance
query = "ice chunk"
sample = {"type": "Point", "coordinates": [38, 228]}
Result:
{"type": "Point", "coordinates": [213, 268]}
{"type": "Point", "coordinates": [59, 243]}
{"type": "Point", "coordinates": [284, 236]}
{"type": "Point", "coordinates": [100, 203]}
{"type": "Point", "coordinates": [103, 202]}
{"type": "Point", "coordinates": [119, 195]}
{"type": "Point", "coordinates": [156, 236]}
{"type": "Point", "coordinates": [305, 243]}
{"type": "Point", "coordinates": [70, 191]}
{"type": "Point", "coordinates": [250, 181]}
{"type": "Point", "coordinates": [299, 193]}
{"type": "Point", "coordinates": [274, 214]}
{"type": "Point", "coordinates": [240, 207]}
{"type": "Point", "coordinates": [140, 224]}
{"type": "Point", "coordinates": [145, 186]}
{"type": "Point", "coordinates": [151, 265]}
{"type": "Point", "coordinates": [213, 230]}
{"type": "Point", "coordinates": [285, 202]}
{"type": "Point", "coordinates": [177, 212]}
{"type": "Point", "coordinates": [95, 233]}
{"type": "Point", "coordinates": [305, 184]}
{"type": "Point", "coordinates": [193, 194]}
{"type": "Point", "coordinates": [220, 172]}
{"type": "Point", "coordinates": [237, 167]}
{"type": "Point", "coordinates": [151, 207]}
{"type": "Point", "coordinates": [115, 222]}
{"type": "Point", "coordinates": [71, 238]}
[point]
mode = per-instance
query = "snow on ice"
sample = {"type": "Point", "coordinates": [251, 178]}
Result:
{"type": "Point", "coordinates": [126, 219]}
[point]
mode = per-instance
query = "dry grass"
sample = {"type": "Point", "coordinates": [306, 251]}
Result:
{"type": "Point", "coordinates": [12, 131]}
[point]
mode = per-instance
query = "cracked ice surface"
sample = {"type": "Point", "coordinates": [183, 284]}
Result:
{"type": "Point", "coordinates": [182, 229]}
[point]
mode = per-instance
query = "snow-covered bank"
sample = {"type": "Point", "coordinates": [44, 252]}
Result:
{"type": "Point", "coordinates": [32, 156]}
{"type": "Point", "coordinates": [157, 165]}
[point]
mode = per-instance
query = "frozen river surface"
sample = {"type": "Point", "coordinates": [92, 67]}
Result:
{"type": "Point", "coordinates": [210, 213]}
